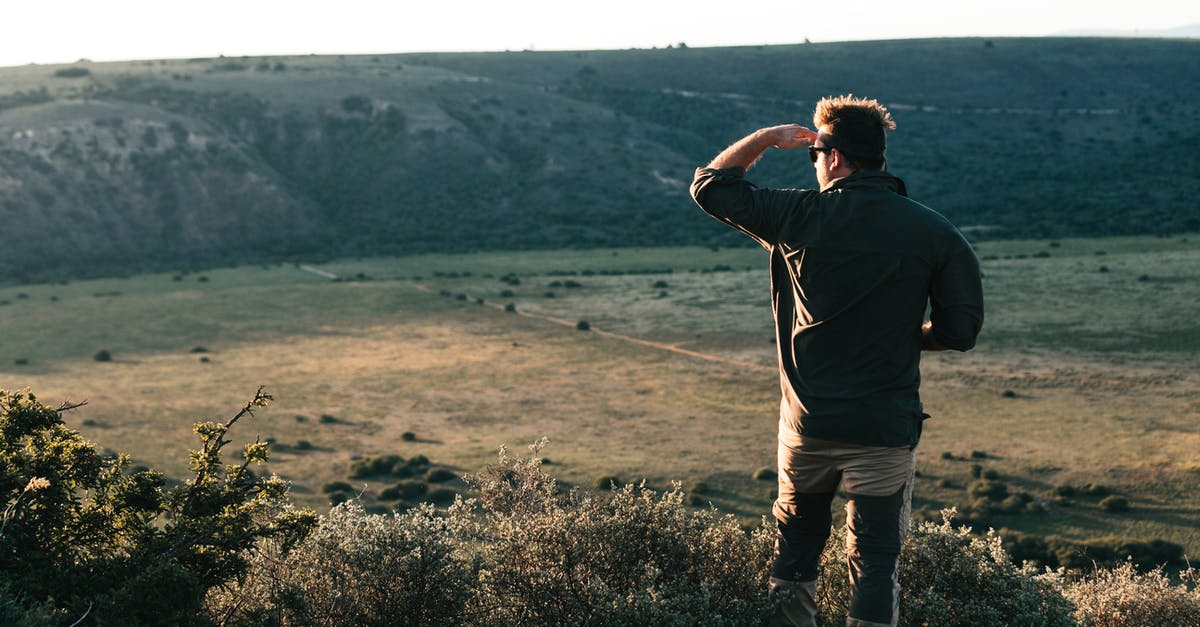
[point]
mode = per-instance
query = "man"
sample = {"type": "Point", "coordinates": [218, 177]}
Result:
{"type": "Point", "coordinates": [854, 265]}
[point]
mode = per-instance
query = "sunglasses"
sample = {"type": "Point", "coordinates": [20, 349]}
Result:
{"type": "Point", "coordinates": [813, 150]}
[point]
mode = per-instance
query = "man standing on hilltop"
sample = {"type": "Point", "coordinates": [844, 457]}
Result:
{"type": "Point", "coordinates": [854, 265]}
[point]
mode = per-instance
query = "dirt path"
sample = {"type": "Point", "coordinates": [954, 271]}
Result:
{"type": "Point", "coordinates": [671, 348]}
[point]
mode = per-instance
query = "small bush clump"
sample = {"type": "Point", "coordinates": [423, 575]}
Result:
{"type": "Point", "coordinates": [1124, 597]}
{"type": "Point", "coordinates": [439, 475]}
{"type": "Point", "coordinates": [606, 482]}
{"type": "Point", "coordinates": [404, 490]}
{"type": "Point", "coordinates": [102, 355]}
{"type": "Point", "coordinates": [766, 474]}
{"type": "Point", "coordinates": [374, 466]}
{"type": "Point", "coordinates": [1114, 504]}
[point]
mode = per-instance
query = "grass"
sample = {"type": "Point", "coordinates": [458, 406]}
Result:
{"type": "Point", "coordinates": [1080, 377]}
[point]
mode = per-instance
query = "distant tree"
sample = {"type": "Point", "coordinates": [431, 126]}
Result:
{"type": "Point", "coordinates": [72, 72]}
{"type": "Point", "coordinates": [357, 104]}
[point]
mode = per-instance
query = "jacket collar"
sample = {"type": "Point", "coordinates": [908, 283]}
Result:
{"type": "Point", "coordinates": [869, 179]}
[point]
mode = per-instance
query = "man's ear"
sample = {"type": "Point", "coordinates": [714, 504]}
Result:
{"type": "Point", "coordinates": [836, 159]}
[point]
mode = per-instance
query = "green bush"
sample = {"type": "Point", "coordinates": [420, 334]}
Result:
{"type": "Point", "coordinates": [84, 535]}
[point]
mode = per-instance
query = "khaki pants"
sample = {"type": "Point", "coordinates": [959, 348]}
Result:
{"type": "Point", "coordinates": [878, 485]}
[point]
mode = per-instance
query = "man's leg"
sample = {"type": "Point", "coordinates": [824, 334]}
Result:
{"type": "Point", "coordinates": [807, 482]}
{"type": "Point", "coordinates": [878, 483]}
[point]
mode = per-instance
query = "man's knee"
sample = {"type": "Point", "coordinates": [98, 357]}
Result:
{"type": "Point", "coordinates": [802, 530]}
{"type": "Point", "coordinates": [876, 526]}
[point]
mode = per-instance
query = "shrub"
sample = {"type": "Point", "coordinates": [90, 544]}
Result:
{"type": "Point", "coordinates": [628, 557]}
{"type": "Point", "coordinates": [1064, 491]}
{"type": "Point", "coordinates": [83, 534]}
{"type": "Point", "coordinates": [987, 489]}
{"type": "Point", "coordinates": [357, 104]}
{"type": "Point", "coordinates": [72, 72]}
{"type": "Point", "coordinates": [1114, 504]}
{"type": "Point", "coordinates": [766, 474]}
{"type": "Point", "coordinates": [374, 466]}
{"type": "Point", "coordinates": [102, 355]}
{"type": "Point", "coordinates": [406, 489]}
{"type": "Point", "coordinates": [441, 496]}
{"type": "Point", "coordinates": [337, 486]}
{"type": "Point", "coordinates": [583, 325]}
{"type": "Point", "coordinates": [1123, 597]}
{"type": "Point", "coordinates": [439, 475]}
{"type": "Point", "coordinates": [606, 482]}
{"type": "Point", "coordinates": [408, 436]}
{"type": "Point", "coordinates": [358, 568]}
{"type": "Point", "coordinates": [952, 577]}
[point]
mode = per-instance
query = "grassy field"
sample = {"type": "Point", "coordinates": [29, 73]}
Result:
{"type": "Point", "coordinates": [1085, 374]}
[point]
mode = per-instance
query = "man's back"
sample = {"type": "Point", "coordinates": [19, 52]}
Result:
{"type": "Point", "coordinates": [852, 268]}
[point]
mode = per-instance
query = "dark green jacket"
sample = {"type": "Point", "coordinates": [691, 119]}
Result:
{"type": "Point", "coordinates": [853, 269]}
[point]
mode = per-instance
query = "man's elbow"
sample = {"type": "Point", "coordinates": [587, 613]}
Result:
{"type": "Point", "coordinates": [956, 336]}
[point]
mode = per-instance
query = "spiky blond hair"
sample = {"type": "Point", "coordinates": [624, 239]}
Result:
{"type": "Point", "coordinates": [833, 110]}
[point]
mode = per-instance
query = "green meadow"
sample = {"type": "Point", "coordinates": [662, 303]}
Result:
{"type": "Point", "coordinates": [650, 364]}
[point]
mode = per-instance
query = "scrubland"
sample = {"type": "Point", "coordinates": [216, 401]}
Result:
{"type": "Point", "coordinates": [1083, 385]}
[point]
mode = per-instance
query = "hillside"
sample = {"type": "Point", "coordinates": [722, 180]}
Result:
{"type": "Point", "coordinates": [154, 164]}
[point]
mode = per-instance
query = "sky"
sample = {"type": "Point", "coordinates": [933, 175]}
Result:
{"type": "Point", "coordinates": [64, 31]}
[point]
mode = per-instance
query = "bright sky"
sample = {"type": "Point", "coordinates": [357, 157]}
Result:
{"type": "Point", "coordinates": [63, 31]}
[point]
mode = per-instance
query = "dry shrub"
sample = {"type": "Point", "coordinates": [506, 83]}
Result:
{"type": "Point", "coordinates": [360, 569]}
{"type": "Point", "coordinates": [630, 556]}
{"type": "Point", "coordinates": [951, 577]}
{"type": "Point", "coordinates": [1123, 597]}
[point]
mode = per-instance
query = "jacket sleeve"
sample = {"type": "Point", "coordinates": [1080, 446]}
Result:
{"type": "Point", "coordinates": [956, 300]}
{"type": "Point", "coordinates": [726, 195]}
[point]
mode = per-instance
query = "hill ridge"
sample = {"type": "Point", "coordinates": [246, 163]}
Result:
{"type": "Point", "coordinates": [211, 161]}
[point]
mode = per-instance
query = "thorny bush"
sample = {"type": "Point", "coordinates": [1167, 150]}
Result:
{"type": "Point", "coordinates": [85, 538]}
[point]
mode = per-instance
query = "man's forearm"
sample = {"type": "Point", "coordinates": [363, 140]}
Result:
{"type": "Point", "coordinates": [745, 151]}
